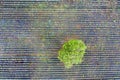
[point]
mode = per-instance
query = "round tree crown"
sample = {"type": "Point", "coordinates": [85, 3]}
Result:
{"type": "Point", "coordinates": [72, 52]}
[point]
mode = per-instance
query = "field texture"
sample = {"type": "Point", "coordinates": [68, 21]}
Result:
{"type": "Point", "coordinates": [33, 31]}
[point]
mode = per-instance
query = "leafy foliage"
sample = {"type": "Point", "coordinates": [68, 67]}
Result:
{"type": "Point", "coordinates": [72, 52]}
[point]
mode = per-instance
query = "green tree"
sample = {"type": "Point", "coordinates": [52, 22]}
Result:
{"type": "Point", "coordinates": [72, 52]}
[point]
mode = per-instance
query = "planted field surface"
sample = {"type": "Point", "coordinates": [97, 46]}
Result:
{"type": "Point", "coordinates": [32, 33]}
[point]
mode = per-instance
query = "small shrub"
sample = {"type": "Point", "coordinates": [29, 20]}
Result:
{"type": "Point", "coordinates": [72, 52]}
